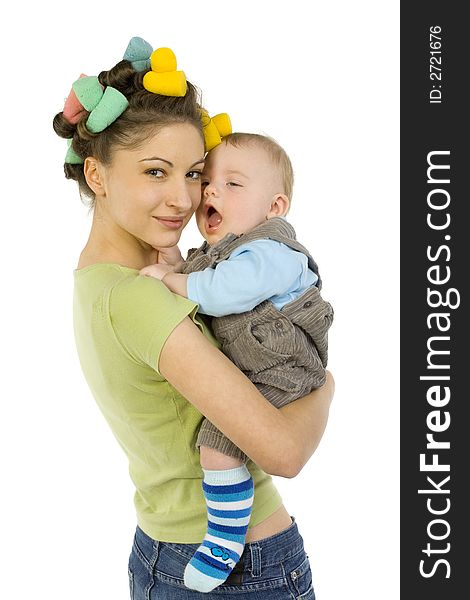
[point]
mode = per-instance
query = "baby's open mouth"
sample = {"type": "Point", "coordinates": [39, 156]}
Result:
{"type": "Point", "coordinates": [213, 218]}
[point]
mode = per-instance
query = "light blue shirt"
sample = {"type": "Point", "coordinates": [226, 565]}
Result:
{"type": "Point", "coordinates": [254, 272]}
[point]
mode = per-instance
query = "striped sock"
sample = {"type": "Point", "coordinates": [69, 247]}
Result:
{"type": "Point", "coordinates": [229, 498]}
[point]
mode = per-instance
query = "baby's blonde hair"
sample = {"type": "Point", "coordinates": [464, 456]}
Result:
{"type": "Point", "coordinates": [276, 153]}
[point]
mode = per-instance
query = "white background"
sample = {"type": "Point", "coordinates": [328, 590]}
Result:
{"type": "Point", "coordinates": [320, 77]}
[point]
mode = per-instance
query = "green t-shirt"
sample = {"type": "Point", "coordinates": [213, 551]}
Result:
{"type": "Point", "coordinates": [121, 321]}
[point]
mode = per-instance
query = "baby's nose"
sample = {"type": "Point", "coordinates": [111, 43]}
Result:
{"type": "Point", "coordinates": [210, 189]}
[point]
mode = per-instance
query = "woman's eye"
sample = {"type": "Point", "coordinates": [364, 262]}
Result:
{"type": "Point", "coordinates": [194, 175]}
{"type": "Point", "coordinates": [157, 173]}
{"type": "Point", "coordinates": [204, 183]}
{"type": "Point", "coordinates": [233, 184]}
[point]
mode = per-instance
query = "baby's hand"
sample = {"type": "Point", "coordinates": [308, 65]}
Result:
{"type": "Point", "coordinates": [157, 271]}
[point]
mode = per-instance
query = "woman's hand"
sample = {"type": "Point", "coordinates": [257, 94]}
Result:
{"type": "Point", "coordinates": [280, 441]}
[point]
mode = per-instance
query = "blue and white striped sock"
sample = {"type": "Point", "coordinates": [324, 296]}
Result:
{"type": "Point", "coordinates": [229, 498]}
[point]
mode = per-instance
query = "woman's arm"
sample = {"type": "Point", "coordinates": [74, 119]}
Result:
{"type": "Point", "coordinates": [308, 417]}
{"type": "Point", "coordinates": [280, 441]}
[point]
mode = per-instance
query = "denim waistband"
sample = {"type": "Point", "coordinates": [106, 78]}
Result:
{"type": "Point", "coordinates": [272, 550]}
{"type": "Point", "coordinates": [259, 554]}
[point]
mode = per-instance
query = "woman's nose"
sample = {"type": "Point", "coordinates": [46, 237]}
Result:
{"type": "Point", "coordinates": [181, 197]}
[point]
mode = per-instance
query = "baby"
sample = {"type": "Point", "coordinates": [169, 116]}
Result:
{"type": "Point", "coordinates": [262, 289]}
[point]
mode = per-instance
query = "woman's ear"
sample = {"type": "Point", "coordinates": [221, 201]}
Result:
{"type": "Point", "coordinates": [94, 175]}
{"type": "Point", "coordinates": [279, 206]}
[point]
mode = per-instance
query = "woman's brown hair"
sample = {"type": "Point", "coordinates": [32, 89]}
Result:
{"type": "Point", "coordinates": [146, 114]}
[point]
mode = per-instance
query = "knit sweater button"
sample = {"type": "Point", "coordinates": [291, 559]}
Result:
{"type": "Point", "coordinates": [308, 304]}
{"type": "Point", "coordinates": [279, 324]}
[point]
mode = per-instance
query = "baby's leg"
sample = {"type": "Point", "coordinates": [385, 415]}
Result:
{"type": "Point", "coordinates": [228, 490]}
{"type": "Point", "coordinates": [212, 459]}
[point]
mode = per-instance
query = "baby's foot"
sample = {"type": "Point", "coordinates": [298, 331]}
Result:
{"type": "Point", "coordinates": [229, 498]}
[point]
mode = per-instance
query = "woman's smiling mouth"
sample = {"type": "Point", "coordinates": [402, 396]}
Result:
{"type": "Point", "coordinates": [170, 222]}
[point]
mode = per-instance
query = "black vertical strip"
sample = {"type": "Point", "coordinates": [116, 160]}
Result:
{"type": "Point", "coordinates": [435, 254]}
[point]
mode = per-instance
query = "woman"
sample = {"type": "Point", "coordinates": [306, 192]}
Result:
{"type": "Point", "coordinates": [150, 362]}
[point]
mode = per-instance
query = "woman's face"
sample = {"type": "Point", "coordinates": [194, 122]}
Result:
{"type": "Point", "coordinates": [151, 192]}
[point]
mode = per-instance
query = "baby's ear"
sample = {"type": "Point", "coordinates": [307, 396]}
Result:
{"type": "Point", "coordinates": [279, 206]}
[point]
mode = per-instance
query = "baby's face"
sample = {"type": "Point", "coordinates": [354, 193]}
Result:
{"type": "Point", "coordinates": [238, 187]}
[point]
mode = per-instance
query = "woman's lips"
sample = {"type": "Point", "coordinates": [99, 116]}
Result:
{"type": "Point", "coordinates": [171, 223]}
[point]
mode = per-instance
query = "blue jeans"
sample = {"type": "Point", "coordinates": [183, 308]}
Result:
{"type": "Point", "coordinates": [275, 568]}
